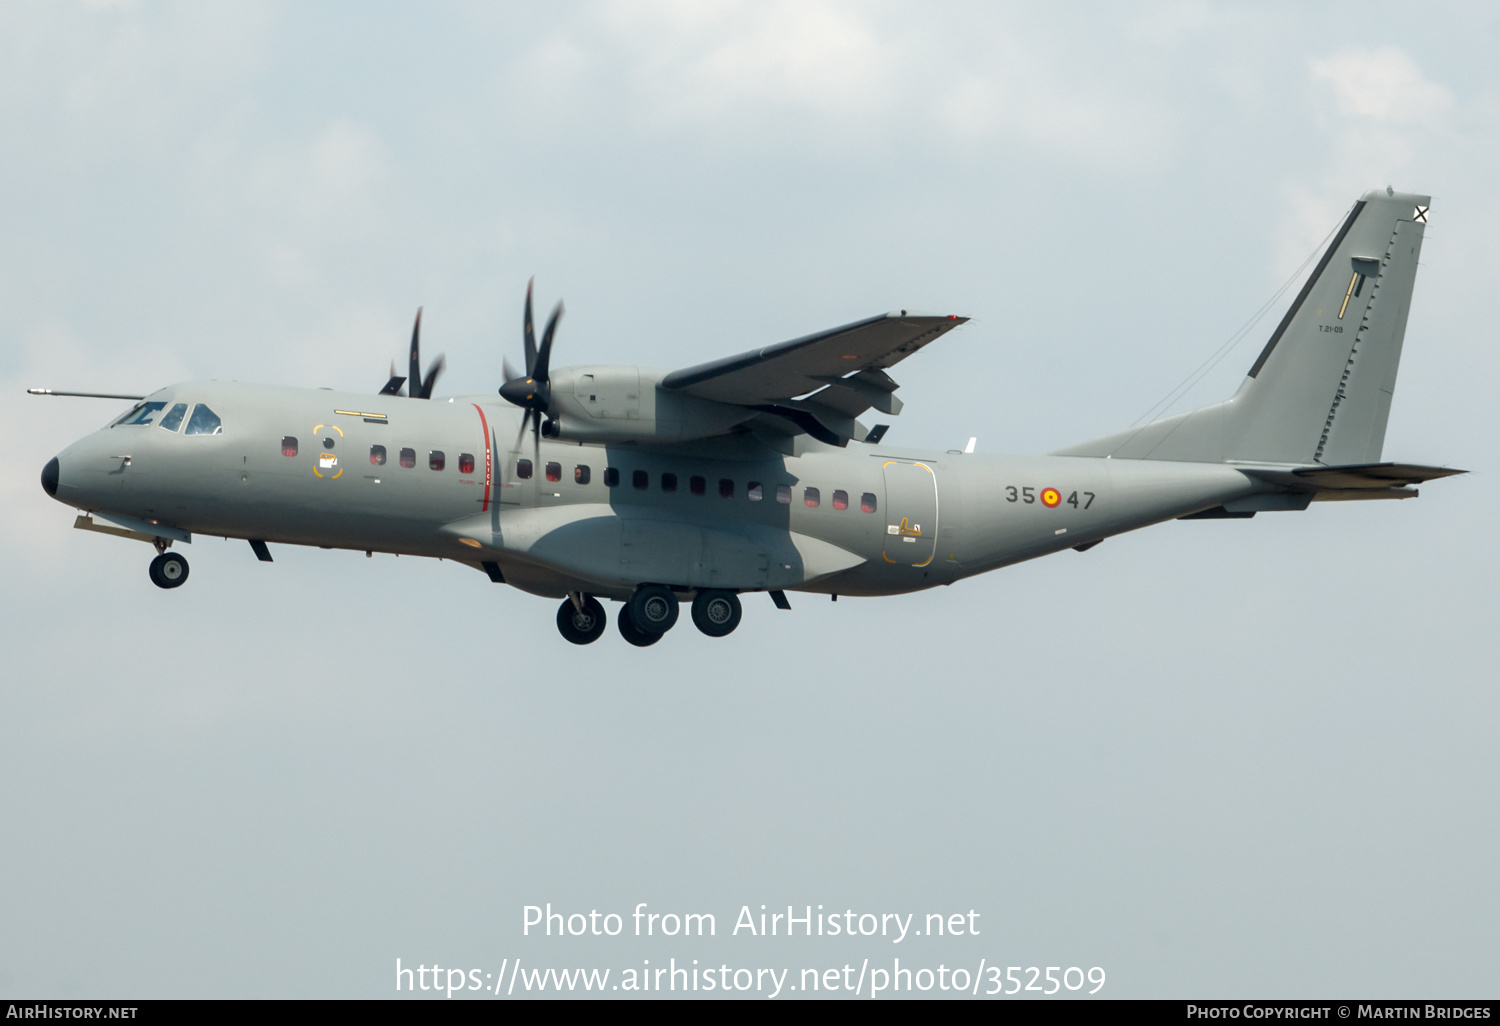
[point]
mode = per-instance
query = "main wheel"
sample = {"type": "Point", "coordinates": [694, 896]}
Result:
{"type": "Point", "coordinates": [716, 613]}
{"type": "Point", "coordinates": [629, 631]}
{"type": "Point", "coordinates": [653, 608]}
{"type": "Point", "coordinates": [581, 626]}
{"type": "Point", "coordinates": [168, 570]}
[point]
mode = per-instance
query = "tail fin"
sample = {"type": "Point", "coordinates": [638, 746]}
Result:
{"type": "Point", "coordinates": [1320, 392]}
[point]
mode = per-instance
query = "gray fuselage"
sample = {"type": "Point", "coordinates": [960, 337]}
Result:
{"type": "Point", "coordinates": [743, 512]}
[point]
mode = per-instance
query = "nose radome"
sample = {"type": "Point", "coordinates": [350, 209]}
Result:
{"type": "Point", "coordinates": [49, 477]}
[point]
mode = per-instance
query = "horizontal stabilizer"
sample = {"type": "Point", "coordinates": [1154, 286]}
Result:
{"type": "Point", "coordinates": [1353, 477]}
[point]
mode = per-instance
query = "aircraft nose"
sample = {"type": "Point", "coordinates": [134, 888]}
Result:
{"type": "Point", "coordinates": [49, 477]}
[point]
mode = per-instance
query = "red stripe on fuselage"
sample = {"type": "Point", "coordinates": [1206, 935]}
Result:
{"type": "Point", "coordinates": [488, 460]}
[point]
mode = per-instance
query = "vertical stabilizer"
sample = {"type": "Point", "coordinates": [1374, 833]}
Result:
{"type": "Point", "coordinates": [1320, 391]}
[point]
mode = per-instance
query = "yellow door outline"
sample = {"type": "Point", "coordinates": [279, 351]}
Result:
{"type": "Point", "coordinates": [340, 430]}
{"type": "Point", "coordinates": [905, 528]}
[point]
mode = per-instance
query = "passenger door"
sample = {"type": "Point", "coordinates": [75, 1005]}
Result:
{"type": "Point", "coordinates": [911, 513]}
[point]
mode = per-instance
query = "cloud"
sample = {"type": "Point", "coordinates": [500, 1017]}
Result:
{"type": "Point", "coordinates": [712, 59]}
{"type": "Point", "coordinates": [1381, 83]}
{"type": "Point", "coordinates": [822, 74]}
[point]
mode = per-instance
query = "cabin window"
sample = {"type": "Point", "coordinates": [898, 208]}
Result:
{"type": "Point", "coordinates": [377, 455]}
{"type": "Point", "coordinates": [554, 471]}
{"type": "Point", "coordinates": [408, 458]}
{"type": "Point", "coordinates": [436, 460]}
{"type": "Point", "coordinates": [581, 474]}
{"type": "Point", "coordinates": [697, 485]}
{"type": "Point", "coordinates": [726, 488]}
{"type": "Point", "coordinates": [173, 420]}
{"type": "Point", "coordinates": [466, 463]}
{"type": "Point", "coordinates": [784, 494]}
{"type": "Point", "coordinates": [753, 491]}
{"type": "Point", "coordinates": [867, 502]}
{"type": "Point", "coordinates": [523, 469]}
{"type": "Point", "coordinates": [840, 499]}
{"type": "Point", "coordinates": [611, 477]}
{"type": "Point", "coordinates": [288, 445]}
{"type": "Point", "coordinates": [669, 482]}
{"type": "Point", "coordinates": [142, 414]}
{"type": "Point", "coordinates": [640, 479]}
{"type": "Point", "coordinates": [204, 422]}
{"type": "Point", "coordinates": [810, 497]}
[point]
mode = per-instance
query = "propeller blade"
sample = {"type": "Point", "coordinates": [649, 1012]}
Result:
{"type": "Point", "coordinates": [507, 369]}
{"type": "Point", "coordinates": [530, 337]}
{"type": "Point", "coordinates": [544, 355]}
{"type": "Point", "coordinates": [393, 383]}
{"type": "Point", "coordinates": [433, 370]}
{"type": "Point", "coordinates": [415, 377]}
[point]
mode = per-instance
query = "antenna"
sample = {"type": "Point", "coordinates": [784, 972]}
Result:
{"type": "Point", "coordinates": [82, 395]}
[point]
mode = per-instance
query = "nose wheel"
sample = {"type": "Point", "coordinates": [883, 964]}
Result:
{"type": "Point", "coordinates": [581, 625]}
{"type": "Point", "coordinates": [169, 570]}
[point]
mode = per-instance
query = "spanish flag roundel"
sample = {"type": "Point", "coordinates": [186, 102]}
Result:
{"type": "Point", "coordinates": [1051, 497]}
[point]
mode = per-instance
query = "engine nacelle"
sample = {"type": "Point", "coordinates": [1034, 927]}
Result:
{"type": "Point", "coordinates": [624, 404]}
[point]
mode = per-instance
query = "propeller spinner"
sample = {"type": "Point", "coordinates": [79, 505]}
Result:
{"type": "Point", "coordinates": [533, 392]}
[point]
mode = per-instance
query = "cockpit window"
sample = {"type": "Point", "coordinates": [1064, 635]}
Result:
{"type": "Point", "coordinates": [173, 420]}
{"type": "Point", "coordinates": [204, 422]}
{"type": "Point", "coordinates": [142, 414]}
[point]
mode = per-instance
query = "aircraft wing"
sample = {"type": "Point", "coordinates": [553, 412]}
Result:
{"type": "Point", "coordinates": [778, 373]}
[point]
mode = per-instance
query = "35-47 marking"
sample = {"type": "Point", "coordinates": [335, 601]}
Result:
{"type": "Point", "coordinates": [1050, 497]}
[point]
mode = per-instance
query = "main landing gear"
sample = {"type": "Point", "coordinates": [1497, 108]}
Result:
{"type": "Point", "coordinates": [581, 623]}
{"type": "Point", "coordinates": [653, 609]}
{"type": "Point", "coordinates": [716, 613]}
{"type": "Point", "coordinates": [169, 570]}
{"type": "Point", "coordinates": [630, 632]}
{"type": "Point", "coordinates": [650, 613]}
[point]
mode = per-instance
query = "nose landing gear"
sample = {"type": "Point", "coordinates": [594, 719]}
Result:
{"type": "Point", "coordinates": [583, 623]}
{"type": "Point", "coordinates": [169, 570]}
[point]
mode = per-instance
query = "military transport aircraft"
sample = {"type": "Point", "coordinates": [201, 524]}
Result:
{"type": "Point", "coordinates": [738, 475]}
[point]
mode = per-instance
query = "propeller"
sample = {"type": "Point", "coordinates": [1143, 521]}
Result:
{"type": "Point", "coordinates": [421, 388]}
{"type": "Point", "coordinates": [532, 392]}
{"type": "Point", "coordinates": [393, 383]}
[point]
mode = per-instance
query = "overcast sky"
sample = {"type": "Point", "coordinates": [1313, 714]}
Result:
{"type": "Point", "coordinates": [1222, 758]}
